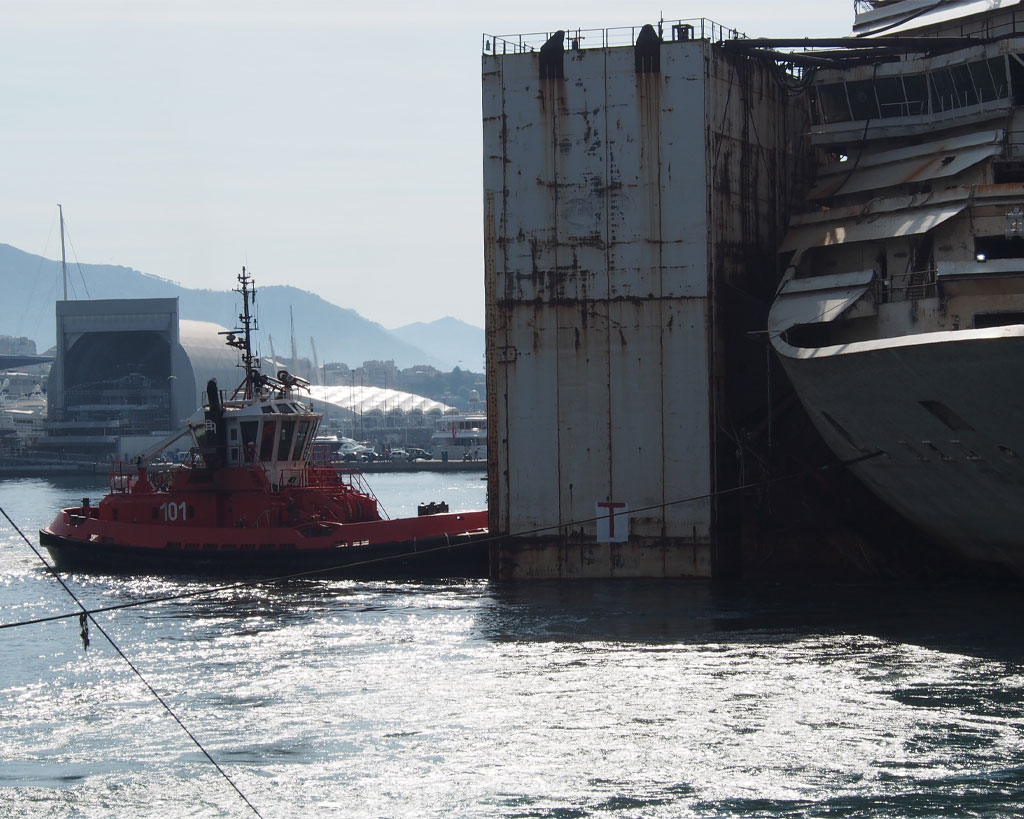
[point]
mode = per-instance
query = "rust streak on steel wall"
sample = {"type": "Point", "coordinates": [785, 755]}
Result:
{"type": "Point", "coordinates": [649, 95]}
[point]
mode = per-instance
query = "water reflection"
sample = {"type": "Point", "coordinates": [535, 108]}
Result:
{"type": "Point", "coordinates": [641, 611]}
{"type": "Point", "coordinates": [980, 619]}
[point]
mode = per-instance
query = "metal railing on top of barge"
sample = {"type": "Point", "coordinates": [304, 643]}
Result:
{"type": "Point", "coordinates": [670, 31]}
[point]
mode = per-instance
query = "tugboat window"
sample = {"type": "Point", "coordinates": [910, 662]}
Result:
{"type": "Point", "coordinates": [300, 440]}
{"type": "Point", "coordinates": [249, 431]}
{"type": "Point", "coordinates": [267, 441]}
{"type": "Point", "coordinates": [284, 447]}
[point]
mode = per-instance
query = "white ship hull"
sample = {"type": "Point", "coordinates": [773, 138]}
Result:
{"type": "Point", "coordinates": [945, 413]}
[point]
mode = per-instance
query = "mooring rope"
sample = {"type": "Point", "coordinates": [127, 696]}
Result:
{"type": "Point", "coordinates": [85, 613]}
{"type": "Point", "coordinates": [313, 573]}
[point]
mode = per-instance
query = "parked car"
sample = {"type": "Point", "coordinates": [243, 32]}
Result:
{"type": "Point", "coordinates": [399, 455]}
{"type": "Point", "coordinates": [359, 454]}
{"type": "Point", "coordinates": [417, 454]}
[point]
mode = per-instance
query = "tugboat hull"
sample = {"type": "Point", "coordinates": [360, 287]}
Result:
{"type": "Point", "coordinates": [451, 545]}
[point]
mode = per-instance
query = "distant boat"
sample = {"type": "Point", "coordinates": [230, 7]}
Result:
{"type": "Point", "coordinates": [23, 416]}
{"type": "Point", "coordinates": [460, 437]}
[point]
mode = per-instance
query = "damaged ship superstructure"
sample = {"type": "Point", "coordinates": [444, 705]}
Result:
{"type": "Point", "coordinates": [900, 319]}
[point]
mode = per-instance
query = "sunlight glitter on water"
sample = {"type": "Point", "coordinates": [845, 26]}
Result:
{"type": "Point", "coordinates": [391, 702]}
{"type": "Point", "coordinates": [664, 699]}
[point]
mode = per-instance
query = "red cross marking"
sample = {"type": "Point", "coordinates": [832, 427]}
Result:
{"type": "Point", "coordinates": [611, 506]}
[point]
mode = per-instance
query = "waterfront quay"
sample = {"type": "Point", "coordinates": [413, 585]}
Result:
{"type": "Point", "coordinates": [26, 468]}
{"type": "Point", "coordinates": [421, 466]}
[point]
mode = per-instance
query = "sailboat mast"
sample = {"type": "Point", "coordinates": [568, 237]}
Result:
{"type": "Point", "coordinates": [63, 258]}
{"type": "Point", "coordinates": [294, 363]}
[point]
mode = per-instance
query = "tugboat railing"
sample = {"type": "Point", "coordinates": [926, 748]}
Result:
{"type": "Point", "coordinates": [123, 476]}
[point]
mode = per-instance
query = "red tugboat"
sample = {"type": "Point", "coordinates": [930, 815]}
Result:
{"type": "Point", "coordinates": [255, 499]}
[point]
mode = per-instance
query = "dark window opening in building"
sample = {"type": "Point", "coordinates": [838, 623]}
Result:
{"type": "Point", "coordinates": [917, 94]}
{"type": "Point", "coordinates": [983, 320]}
{"type": "Point", "coordinates": [923, 255]}
{"type": "Point", "coordinates": [1016, 78]}
{"type": "Point", "coordinates": [863, 102]}
{"type": "Point", "coordinates": [122, 376]}
{"type": "Point", "coordinates": [966, 93]}
{"type": "Point", "coordinates": [892, 99]}
{"type": "Point", "coordinates": [943, 91]}
{"type": "Point", "coordinates": [997, 67]}
{"type": "Point", "coordinates": [1007, 171]}
{"type": "Point", "coordinates": [832, 102]}
{"type": "Point", "coordinates": [999, 247]}
{"type": "Point", "coordinates": [101, 357]}
{"type": "Point", "coordinates": [984, 85]}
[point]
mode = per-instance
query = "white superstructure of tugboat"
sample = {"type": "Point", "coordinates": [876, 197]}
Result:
{"type": "Point", "coordinates": [900, 319]}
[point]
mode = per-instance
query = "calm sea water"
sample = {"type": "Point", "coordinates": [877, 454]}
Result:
{"type": "Point", "coordinates": [477, 699]}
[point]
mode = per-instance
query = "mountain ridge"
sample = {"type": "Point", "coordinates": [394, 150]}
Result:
{"type": "Point", "coordinates": [339, 333]}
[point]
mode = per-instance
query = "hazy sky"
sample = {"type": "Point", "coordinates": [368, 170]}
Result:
{"type": "Point", "coordinates": [328, 144]}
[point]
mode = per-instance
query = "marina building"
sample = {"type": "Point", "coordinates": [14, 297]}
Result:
{"type": "Point", "coordinates": [129, 368]}
{"type": "Point", "coordinates": [128, 371]}
{"type": "Point", "coordinates": [636, 186]}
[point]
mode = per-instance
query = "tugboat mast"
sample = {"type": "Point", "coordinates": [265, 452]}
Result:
{"type": "Point", "coordinates": [251, 364]}
{"type": "Point", "coordinates": [245, 288]}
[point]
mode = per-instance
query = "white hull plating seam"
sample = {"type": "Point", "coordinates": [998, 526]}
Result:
{"type": "Point", "coordinates": [947, 409]}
